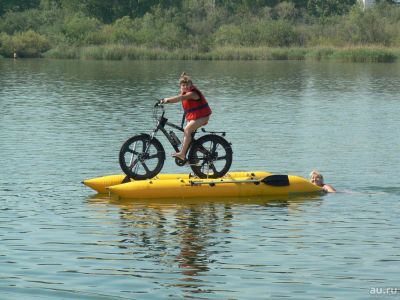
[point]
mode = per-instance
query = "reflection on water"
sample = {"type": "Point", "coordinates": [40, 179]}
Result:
{"type": "Point", "coordinates": [186, 236]}
{"type": "Point", "coordinates": [64, 121]}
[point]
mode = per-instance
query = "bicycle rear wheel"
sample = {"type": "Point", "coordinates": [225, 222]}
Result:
{"type": "Point", "coordinates": [141, 157]}
{"type": "Point", "coordinates": [210, 156]}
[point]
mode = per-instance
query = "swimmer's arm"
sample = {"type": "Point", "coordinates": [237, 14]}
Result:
{"type": "Point", "coordinates": [330, 189]}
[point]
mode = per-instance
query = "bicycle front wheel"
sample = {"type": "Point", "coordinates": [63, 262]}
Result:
{"type": "Point", "coordinates": [210, 156]}
{"type": "Point", "coordinates": [141, 157]}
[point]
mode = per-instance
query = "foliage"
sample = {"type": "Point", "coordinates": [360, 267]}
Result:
{"type": "Point", "coordinates": [286, 11]}
{"type": "Point", "coordinates": [13, 22]}
{"type": "Point", "coordinates": [325, 8]}
{"type": "Point", "coordinates": [189, 27]}
{"type": "Point", "coordinates": [228, 34]}
{"type": "Point", "coordinates": [20, 5]}
{"type": "Point", "coordinates": [279, 34]}
{"type": "Point", "coordinates": [24, 44]}
{"type": "Point", "coordinates": [78, 27]}
{"type": "Point", "coordinates": [365, 27]}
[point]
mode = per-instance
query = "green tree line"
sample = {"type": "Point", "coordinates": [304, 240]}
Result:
{"type": "Point", "coordinates": [109, 11]}
{"type": "Point", "coordinates": [31, 28]}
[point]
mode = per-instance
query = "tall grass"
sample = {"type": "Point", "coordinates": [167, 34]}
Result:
{"type": "Point", "coordinates": [320, 53]}
{"type": "Point", "coordinates": [368, 54]}
{"type": "Point", "coordinates": [120, 52]}
{"type": "Point", "coordinates": [63, 53]}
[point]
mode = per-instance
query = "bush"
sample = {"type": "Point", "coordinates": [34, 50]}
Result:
{"type": "Point", "coordinates": [78, 27]}
{"type": "Point", "coordinates": [279, 34]}
{"type": "Point", "coordinates": [326, 8]}
{"type": "Point", "coordinates": [328, 35]}
{"type": "Point", "coordinates": [286, 10]}
{"type": "Point", "coordinates": [227, 35]}
{"type": "Point", "coordinates": [13, 22]}
{"type": "Point", "coordinates": [160, 32]}
{"type": "Point", "coordinates": [123, 31]}
{"type": "Point", "coordinates": [365, 27]}
{"type": "Point", "coordinates": [168, 36]}
{"type": "Point", "coordinates": [25, 44]}
{"type": "Point", "coordinates": [273, 33]}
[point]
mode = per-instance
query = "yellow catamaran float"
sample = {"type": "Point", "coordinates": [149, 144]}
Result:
{"type": "Point", "coordinates": [234, 184]}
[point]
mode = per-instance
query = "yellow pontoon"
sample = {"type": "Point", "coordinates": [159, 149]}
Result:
{"type": "Point", "coordinates": [234, 184]}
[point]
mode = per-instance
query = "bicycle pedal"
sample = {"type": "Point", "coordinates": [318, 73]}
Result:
{"type": "Point", "coordinates": [180, 162]}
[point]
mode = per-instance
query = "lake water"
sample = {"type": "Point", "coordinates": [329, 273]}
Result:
{"type": "Point", "coordinates": [64, 121]}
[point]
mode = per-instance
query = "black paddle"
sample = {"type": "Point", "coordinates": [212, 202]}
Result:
{"type": "Point", "coordinates": [276, 180]}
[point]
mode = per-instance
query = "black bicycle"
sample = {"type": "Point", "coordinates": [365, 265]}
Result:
{"type": "Point", "coordinates": [142, 156]}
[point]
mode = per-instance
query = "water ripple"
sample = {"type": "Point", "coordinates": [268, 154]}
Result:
{"type": "Point", "coordinates": [63, 121]}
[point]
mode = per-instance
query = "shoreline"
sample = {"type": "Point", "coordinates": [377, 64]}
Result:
{"type": "Point", "coordinates": [127, 52]}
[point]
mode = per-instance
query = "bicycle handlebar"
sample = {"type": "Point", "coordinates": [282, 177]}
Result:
{"type": "Point", "coordinates": [158, 103]}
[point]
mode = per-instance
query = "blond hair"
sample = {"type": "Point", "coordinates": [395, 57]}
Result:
{"type": "Point", "coordinates": [316, 174]}
{"type": "Point", "coordinates": [185, 79]}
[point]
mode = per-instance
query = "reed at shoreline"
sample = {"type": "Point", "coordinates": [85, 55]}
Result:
{"type": "Point", "coordinates": [121, 52]}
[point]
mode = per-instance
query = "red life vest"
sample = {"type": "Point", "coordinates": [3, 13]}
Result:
{"type": "Point", "coordinates": [195, 109]}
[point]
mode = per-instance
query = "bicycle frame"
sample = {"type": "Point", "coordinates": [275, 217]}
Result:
{"type": "Point", "coordinates": [162, 122]}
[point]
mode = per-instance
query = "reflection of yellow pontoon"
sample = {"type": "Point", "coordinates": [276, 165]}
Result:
{"type": "Point", "coordinates": [234, 184]}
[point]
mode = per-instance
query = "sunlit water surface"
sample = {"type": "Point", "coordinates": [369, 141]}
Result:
{"type": "Point", "coordinates": [64, 121]}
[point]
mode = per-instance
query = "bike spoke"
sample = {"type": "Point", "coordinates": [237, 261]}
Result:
{"type": "Point", "coordinates": [136, 167]}
{"type": "Point", "coordinates": [134, 152]}
{"type": "Point", "coordinates": [203, 150]}
{"type": "Point", "coordinates": [157, 155]}
{"type": "Point", "coordinates": [133, 149]}
{"type": "Point", "coordinates": [221, 157]}
{"type": "Point", "coordinates": [133, 163]}
{"type": "Point", "coordinates": [145, 167]}
{"type": "Point", "coordinates": [214, 147]}
{"type": "Point", "coordinates": [144, 142]}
